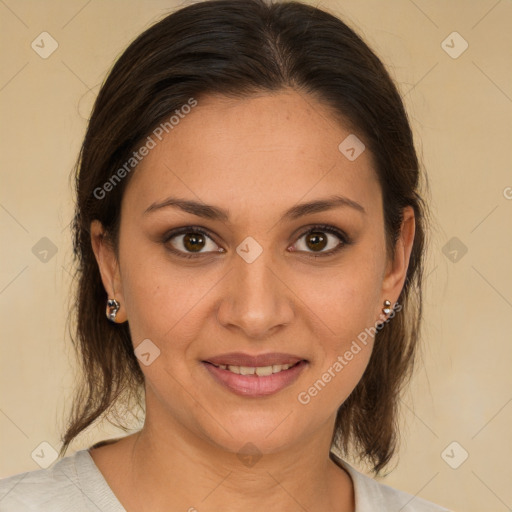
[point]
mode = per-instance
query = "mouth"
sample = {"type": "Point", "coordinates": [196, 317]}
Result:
{"type": "Point", "coordinates": [260, 371]}
{"type": "Point", "coordinates": [255, 376]}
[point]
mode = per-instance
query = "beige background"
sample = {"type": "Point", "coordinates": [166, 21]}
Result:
{"type": "Point", "coordinates": [461, 110]}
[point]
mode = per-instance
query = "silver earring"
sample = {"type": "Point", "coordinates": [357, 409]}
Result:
{"type": "Point", "coordinates": [112, 309]}
{"type": "Point", "coordinates": [386, 309]}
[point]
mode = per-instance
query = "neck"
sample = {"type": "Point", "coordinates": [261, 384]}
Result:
{"type": "Point", "coordinates": [194, 475]}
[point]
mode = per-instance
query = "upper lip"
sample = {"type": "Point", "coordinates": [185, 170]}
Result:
{"type": "Point", "coordinates": [241, 359]}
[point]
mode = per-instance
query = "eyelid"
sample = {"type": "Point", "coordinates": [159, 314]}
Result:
{"type": "Point", "coordinates": [189, 229]}
{"type": "Point", "coordinates": [343, 237]}
{"type": "Point", "coordinates": [326, 228]}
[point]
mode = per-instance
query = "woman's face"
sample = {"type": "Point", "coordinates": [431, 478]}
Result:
{"type": "Point", "coordinates": [268, 283]}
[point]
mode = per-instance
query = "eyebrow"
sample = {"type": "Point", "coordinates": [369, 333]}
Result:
{"type": "Point", "coordinates": [215, 213]}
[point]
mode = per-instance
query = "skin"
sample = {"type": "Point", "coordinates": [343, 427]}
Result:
{"type": "Point", "coordinates": [256, 158]}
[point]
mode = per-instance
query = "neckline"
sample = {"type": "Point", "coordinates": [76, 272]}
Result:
{"type": "Point", "coordinates": [94, 485]}
{"type": "Point", "coordinates": [356, 477]}
{"type": "Point", "coordinates": [104, 497]}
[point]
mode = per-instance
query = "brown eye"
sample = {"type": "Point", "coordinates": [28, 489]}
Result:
{"type": "Point", "coordinates": [316, 240]}
{"type": "Point", "coordinates": [193, 242]}
{"type": "Point", "coordinates": [322, 241]}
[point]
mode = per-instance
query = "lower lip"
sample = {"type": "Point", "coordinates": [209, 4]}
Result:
{"type": "Point", "coordinates": [252, 385]}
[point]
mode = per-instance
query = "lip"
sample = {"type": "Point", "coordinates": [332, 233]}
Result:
{"type": "Point", "coordinates": [241, 359]}
{"type": "Point", "coordinates": [253, 385]}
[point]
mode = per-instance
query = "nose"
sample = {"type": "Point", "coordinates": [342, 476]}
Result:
{"type": "Point", "coordinates": [256, 299]}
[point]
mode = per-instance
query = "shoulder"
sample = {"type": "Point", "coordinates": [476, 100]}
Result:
{"type": "Point", "coordinates": [371, 495]}
{"type": "Point", "coordinates": [38, 489]}
{"type": "Point", "coordinates": [70, 485]}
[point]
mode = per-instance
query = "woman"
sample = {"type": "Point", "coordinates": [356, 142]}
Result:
{"type": "Point", "coordinates": [249, 234]}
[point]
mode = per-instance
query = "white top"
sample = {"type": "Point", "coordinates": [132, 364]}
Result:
{"type": "Point", "coordinates": [75, 484]}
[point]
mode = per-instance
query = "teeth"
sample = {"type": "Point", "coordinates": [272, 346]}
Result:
{"type": "Point", "coordinates": [260, 371]}
{"type": "Point", "coordinates": [247, 370]}
{"type": "Point", "coordinates": [263, 371]}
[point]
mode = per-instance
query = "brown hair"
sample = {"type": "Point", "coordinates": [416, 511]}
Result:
{"type": "Point", "coordinates": [237, 48]}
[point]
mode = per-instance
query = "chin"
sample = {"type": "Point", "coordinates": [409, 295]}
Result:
{"type": "Point", "coordinates": [259, 431]}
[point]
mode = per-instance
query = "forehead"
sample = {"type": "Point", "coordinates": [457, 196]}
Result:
{"type": "Point", "coordinates": [267, 149]}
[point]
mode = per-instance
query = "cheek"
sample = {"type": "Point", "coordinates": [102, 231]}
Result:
{"type": "Point", "coordinates": [157, 294]}
{"type": "Point", "coordinates": [162, 301]}
{"type": "Point", "coordinates": [345, 344]}
{"type": "Point", "coordinates": [345, 300]}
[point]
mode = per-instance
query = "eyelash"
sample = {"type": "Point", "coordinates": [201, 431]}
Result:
{"type": "Point", "coordinates": [345, 240]}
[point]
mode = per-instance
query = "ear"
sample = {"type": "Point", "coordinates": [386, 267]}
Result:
{"type": "Point", "coordinates": [396, 270]}
{"type": "Point", "coordinates": [109, 267]}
